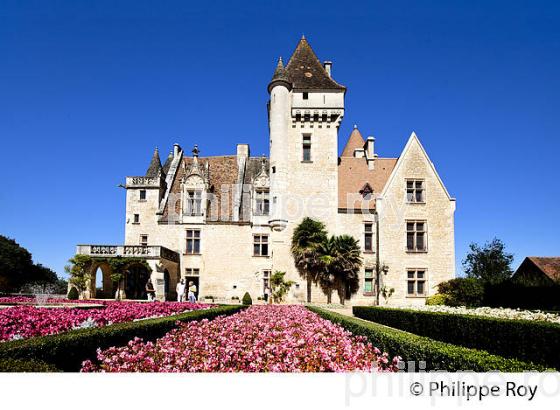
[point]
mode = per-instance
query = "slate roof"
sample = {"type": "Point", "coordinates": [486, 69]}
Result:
{"type": "Point", "coordinates": [168, 163]}
{"type": "Point", "coordinates": [155, 165]}
{"type": "Point", "coordinates": [305, 71]}
{"type": "Point", "coordinates": [223, 172]}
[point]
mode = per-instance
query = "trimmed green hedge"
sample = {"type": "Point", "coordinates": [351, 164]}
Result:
{"type": "Point", "coordinates": [67, 351]}
{"type": "Point", "coordinates": [531, 341]}
{"type": "Point", "coordinates": [25, 366]}
{"type": "Point", "coordinates": [436, 354]}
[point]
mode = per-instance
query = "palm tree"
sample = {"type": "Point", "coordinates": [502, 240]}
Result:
{"type": "Point", "coordinates": [328, 260]}
{"type": "Point", "coordinates": [306, 239]}
{"type": "Point", "coordinates": [341, 261]}
{"type": "Point", "coordinates": [349, 264]}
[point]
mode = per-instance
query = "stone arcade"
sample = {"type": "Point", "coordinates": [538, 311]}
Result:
{"type": "Point", "coordinates": [225, 222]}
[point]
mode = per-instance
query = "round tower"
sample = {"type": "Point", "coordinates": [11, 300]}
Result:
{"type": "Point", "coordinates": [279, 121]}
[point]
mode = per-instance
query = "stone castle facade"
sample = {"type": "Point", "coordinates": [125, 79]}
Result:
{"type": "Point", "coordinates": [225, 222]}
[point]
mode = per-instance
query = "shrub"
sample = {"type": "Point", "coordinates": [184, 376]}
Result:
{"type": "Point", "coordinates": [25, 366]}
{"type": "Point", "coordinates": [247, 299]}
{"type": "Point", "coordinates": [437, 355]}
{"type": "Point", "coordinates": [530, 341]}
{"type": "Point", "coordinates": [517, 295]}
{"type": "Point", "coordinates": [462, 291]}
{"type": "Point", "coordinates": [73, 294]}
{"type": "Point", "coordinates": [437, 299]}
{"type": "Point", "coordinates": [67, 351]}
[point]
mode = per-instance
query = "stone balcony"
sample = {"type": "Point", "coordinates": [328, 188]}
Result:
{"type": "Point", "coordinates": [128, 251]}
{"type": "Point", "coordinates": [143, 182]}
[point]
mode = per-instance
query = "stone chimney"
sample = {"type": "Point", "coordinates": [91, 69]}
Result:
{"type": "Point", "coordinates": [243, 151]}
{"type": "Point", "coordinates": [328, 67]}
{"type": "Point", "coordinates": [370, 151]}
{"type": "Point", "coordinates": [176, 150]}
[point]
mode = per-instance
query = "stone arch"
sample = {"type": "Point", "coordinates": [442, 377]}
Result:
{"type": "Point", "coordinates": [107, 289]}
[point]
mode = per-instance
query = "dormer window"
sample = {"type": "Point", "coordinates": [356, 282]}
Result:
{"type": "Point", "coordinates": [262, 202]}
{"type": "Point", "coordinates": [366, 192]}
{"type": "Point", "coordinates": [194, 203]}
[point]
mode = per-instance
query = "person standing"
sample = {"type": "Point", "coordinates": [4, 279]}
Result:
{"type": "Point", "coordinates": [192, 292]}
{"type": "Point", "coordinates": [181, 287]}
{"type": "Point", "coordinates": [150, 290]}
{"type": "Point", "coordinates": [266, 294]}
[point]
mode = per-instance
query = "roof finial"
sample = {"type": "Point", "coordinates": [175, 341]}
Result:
{"type": "Point", "coordinates": [195, 151]}
{"type": "Point", "coordinates": [303, 36]}
{"type": "Point", "coordinates": [355, 127]}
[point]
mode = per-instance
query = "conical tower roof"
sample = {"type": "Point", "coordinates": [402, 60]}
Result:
{"type": "Point", "coordinates": [155, 165]}
{"type": "Point", "coordinates": [355, 141]}
{"type": "Point", "coordinates": [305, 71]}
{"type": "Point", "coordinates": [279, 76]}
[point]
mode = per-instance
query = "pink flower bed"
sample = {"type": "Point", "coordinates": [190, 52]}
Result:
{"type": "Point", "coordinates": [259, 339]}
{"type": "Point", "coordinates": [50, 301]}
{"type": "Point", "coordinates": [22, 322]}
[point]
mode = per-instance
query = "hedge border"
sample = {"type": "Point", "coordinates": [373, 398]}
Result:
{"type": "Point", "coordinates": [437, 355]}
{"type": "Point", "coordinates": [530, 341]}
{"type": "Point", "coordinates": [25, 366]}
{"type": "Point", "coordinates": [66, 351]}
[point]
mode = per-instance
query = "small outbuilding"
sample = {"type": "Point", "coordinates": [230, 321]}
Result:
{"type": "Point", "coordinates": [538, 271]}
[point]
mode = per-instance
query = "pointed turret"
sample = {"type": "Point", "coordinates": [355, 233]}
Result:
{"type": "Point", "coordinates": [279, 77]}
{"type": "Point", "coordinates": [355, 141]}
{"type": "Point", "coordinates": [305, 71]}
{"type": "Point", "coordinates": [155, 167]}
{"type": "Point", "coordinates": [168, 163]}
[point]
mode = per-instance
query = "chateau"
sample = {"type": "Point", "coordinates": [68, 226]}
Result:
{"type": "Point", "coordinates": [226, 222]}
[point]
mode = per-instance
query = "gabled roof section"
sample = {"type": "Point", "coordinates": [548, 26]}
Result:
{"type": "Point", "coordinates": [354, 176]}
{"type": "Point", "coordinates": [223, 174]}
{"type": "Point", "coordinates": [155, 165]}
{"type": "Point", "coordinates": [355, 141]}
{"type": "Point", "coordinates": [305, 71]}
{"type": "Point", "coordinates": [550, 266]}
{"type": "Point", "coordinates": [414, 140]}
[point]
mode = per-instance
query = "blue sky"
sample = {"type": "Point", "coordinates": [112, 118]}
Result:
{"type": "Point", "coordinates": [88, 89]}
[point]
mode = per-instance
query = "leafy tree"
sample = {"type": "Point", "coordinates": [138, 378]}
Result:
{"type": "Point", "coordinates": [61, 286]}
{"type": "Point", "coordinates": [340, 259]}
{"type": "Point", "coordinates": [462, 292]}
{"type": "Point", "coordinates": [79, 272]}
{"type": "Point", "coordinates": [280, 286]}
{"type": "Point", "coordinates": [17, 268]}
{"type": "Point", "coordinates": [306, 239]}
{"type": "Point", "coordinates": [489, 263]}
